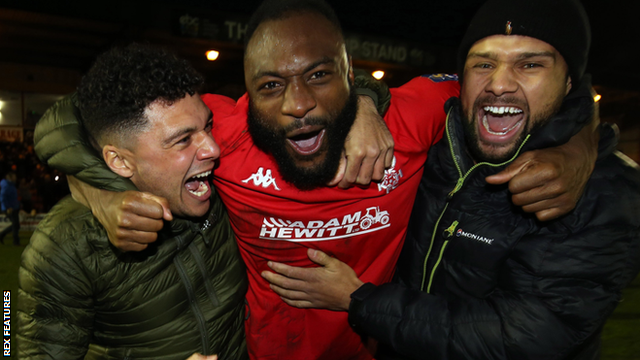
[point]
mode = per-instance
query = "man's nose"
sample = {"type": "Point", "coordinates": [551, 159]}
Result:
{"type": "Point", "coordinates": [298, 99]}
{"type": "Point", "coordinates": [208, 149]}
{"type": "Point", "coordinates": [502, 81]}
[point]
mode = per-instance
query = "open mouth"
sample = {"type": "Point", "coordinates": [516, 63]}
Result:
{"type": "Point", "coordinates": [198, 185]}
{"type": "Point", "coordinates": [307, 143]}
{"type": "Point", "coordinates": [501, 120]}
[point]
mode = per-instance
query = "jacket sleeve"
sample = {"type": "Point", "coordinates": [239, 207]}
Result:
{"type": "Point", "coordinates": [55, 308]}
{"type": "Point", "coordinates": [507, 325]}
{"type": "Point", "coordinates": [378, 90]}
{"type": "Point", "coordinates": [61, 142]}
{"type": "Point", "coordinates": [540, 310]}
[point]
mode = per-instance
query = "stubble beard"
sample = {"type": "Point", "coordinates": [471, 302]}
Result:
{"type": "Point", "coordinates": [482, 151]}
{"type": "Point", "coordinates": [273, 141]}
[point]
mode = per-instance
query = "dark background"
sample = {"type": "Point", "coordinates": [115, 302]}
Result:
{"type": "Point", "coordinates": [45, 46]}
{"type": "Point", "coordinates": [613, 60]}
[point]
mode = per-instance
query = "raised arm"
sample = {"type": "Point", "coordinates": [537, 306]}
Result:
{"type": "Point", "coordinates": [61, 142]}
{"type": "Point", "coordinates": [369, 145]}
{"type": "Point", "coordinates": [131, 218]}
{"type": "Point", "coordinates": [549, 182]}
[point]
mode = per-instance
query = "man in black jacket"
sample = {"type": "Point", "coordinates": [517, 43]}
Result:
{"type": "Point", "coordinates": [478, 278]}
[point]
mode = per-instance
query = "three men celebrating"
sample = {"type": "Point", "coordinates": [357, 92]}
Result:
{"type": "Point", "coordinates": [518, 93]}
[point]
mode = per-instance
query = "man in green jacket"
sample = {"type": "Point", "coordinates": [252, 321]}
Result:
{"type": "Point", "coordinates": [80, 298]}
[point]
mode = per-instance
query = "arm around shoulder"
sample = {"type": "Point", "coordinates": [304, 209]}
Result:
{"type": "Point", "coordinates": [62, 143]}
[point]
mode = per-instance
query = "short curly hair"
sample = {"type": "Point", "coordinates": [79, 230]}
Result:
{"type": "Point", "coordinates": [123, 81]}
{"type": "Point", "coordinates": [270, 10]}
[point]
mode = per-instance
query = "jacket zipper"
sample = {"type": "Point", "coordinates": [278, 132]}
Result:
{"type": "Point", "coordinates": [200, 321]}
{"type": "Point", "coordinates": [203, 270]}
{"type": "Point", "coordinates": [456, 188]}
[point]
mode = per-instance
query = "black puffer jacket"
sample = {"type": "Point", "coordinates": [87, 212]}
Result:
{"type": "Point", "coordinates": [480, 279]}
{"type": "Point", "coordinates": [79, 295]}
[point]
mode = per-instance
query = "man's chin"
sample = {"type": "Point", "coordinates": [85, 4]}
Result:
{"type": "Point", "coordinates": [496, 153]}
{"type": "Point", "coordinates": [307, 162]}
{"type": "Point", "coordinates": [308, 177]}
{"type": "Point", "coordinates": [193, 211]}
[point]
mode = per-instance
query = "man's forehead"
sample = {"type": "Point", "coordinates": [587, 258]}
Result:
{"type": "Point", "coordinates": [514, 45]}
{"type": "Point", "coordinates": [299, 34]}
{"type": "Point", "coordinates": [176, 116]}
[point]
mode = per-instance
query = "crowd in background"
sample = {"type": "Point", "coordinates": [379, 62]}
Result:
{"type": "Point", "coordinates": [39, 186]}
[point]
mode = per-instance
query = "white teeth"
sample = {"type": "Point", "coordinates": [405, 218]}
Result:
{"type": "Point", "coordinates": [204, 174]}
{"type": "Point", "coordinates": [204, 190]}
{"type": "Point", "coordinates": [203, 187]}
{"type": "Point", "coordinates": [500, 110]}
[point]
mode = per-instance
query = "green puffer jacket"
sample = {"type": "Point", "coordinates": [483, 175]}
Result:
{"type": "Point", "coordinates": [81, 298]}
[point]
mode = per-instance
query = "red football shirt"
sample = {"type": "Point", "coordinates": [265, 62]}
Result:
{"type": "Point", "coordinates": [364, 227]}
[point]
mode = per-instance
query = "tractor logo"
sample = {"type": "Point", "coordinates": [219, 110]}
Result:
{"type": "Point", "coordinates": [374, 216]}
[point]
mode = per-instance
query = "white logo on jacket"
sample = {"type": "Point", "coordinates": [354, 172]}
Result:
{"type": "Point", "coordinates": [262, 179]}
{"type": "Point", "coordinates": [471, 236]}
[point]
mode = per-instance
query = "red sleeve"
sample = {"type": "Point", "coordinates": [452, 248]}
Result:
{"type": "Point", "coordinates": [229, 120]}
{"type": "Point", "coordinates": [419, 104]}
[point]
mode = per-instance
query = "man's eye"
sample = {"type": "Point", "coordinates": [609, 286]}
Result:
{"type": "Point", "coordinates": [318, 74]}
{"type": "Point", "coordinates": [483, 66]}
{"type": "Point", "coordinates": [184, 140]}
{"type": "Point", "coordinates": [532, 65]}
{"type": "Point", "coordinates": [209, 126]}
{"type": "Point", "coordinates": [270, 85]}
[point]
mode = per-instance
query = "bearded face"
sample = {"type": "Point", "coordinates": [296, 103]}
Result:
{"type": "Point", "coordinates": [504, 125]}
{"type": "Point", "coordinates": [512, 85]}
{"type": "Point", "coordinates": [306, 159]}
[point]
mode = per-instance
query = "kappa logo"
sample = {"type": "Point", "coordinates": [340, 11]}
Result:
{"type": "Point", "coordinates": [262, 179]}
{"type": "Point", "coordinates": [471, 236]}
{"type": "Point", "coordinates": [354, 224]}
{"type": "Point", "coordinates": [391, 178]}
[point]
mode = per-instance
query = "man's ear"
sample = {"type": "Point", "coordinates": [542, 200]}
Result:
{"type": "Point", "coordinates": [568, 85]}
{"type": "Point", "coordinates": [352, 77]}
{"type": "Point", "coordinates": [119, 160]}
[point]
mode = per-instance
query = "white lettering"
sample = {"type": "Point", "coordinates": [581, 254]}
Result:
{"type": "Point", "coordinates": [285, 233]}
{"type": "Point", "coordinates": [266, 232]}
{"type": "Point", "coordinates": [319, 230]}
{"type": "Point", "coordinates": [349, 228]}
{"type": "Point", "coordinates": [350, 219]}
{"type": "Point", "coordinates": [305, 233]}
{"type": "Point", "coordinates": [298, 224]}
{"type": "Point", "coordinates": [315, 224]}
{"type": "Point", "coordinates": [332, 222]}
{"type": "Point", "coordinates": [332, 231]}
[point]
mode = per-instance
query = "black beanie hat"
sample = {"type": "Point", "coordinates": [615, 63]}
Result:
{"type": "Point", "coordinates": [562, 24]}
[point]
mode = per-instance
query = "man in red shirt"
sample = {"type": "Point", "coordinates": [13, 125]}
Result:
{"type": "Point", "coordinates": [278, 148]}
